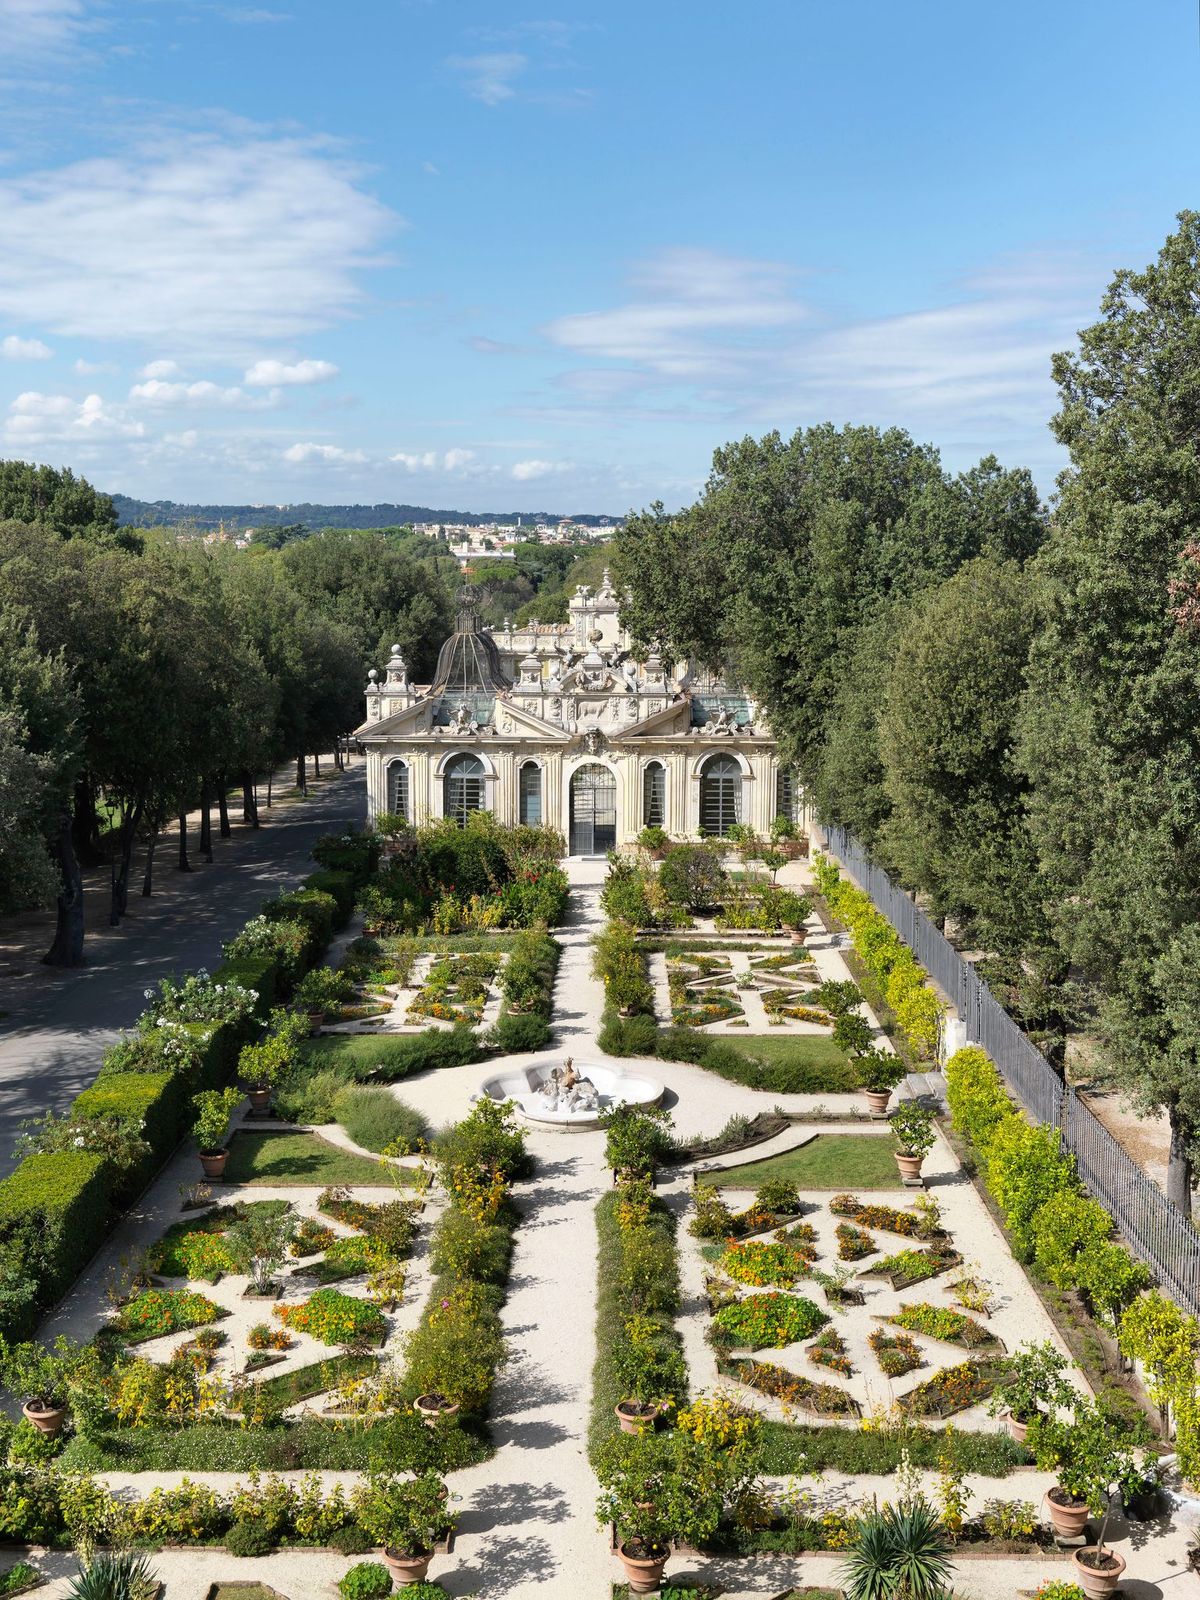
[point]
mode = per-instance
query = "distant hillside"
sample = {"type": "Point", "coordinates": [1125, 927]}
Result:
{"type": "Point", "coordinates": [148, 513]}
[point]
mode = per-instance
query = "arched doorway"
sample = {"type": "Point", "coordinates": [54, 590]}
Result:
{"type": "Point", "coordinates": [720, 795]}
{"type": "Point", "coordinates": [593, 810]}
{"type": "Point", "coordinates": [462, 788]}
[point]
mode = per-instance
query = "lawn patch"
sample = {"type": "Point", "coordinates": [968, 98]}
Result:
{"type": "Point", "coordinates": [830, 1161]}
{"type": "Point", "coordinates": [282, 1159]}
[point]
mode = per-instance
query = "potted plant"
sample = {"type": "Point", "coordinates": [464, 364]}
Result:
{"type": "Point", "coordinates": [653, 1491]}
{"type": "Point", "coordinates": [1138, 1483]}
{"type": "Point", "coordinates": [1033, 1377]}
{"type": "Point", "coordinates": [214, 1112]}
{"type": "Point", "coordinates": [643, 1375]}
{"type": "Point", "coordinates": [320, 991]}
{"type": "Point", "coordinates": [794, 911]}
{"type": "Point", "coordinates": [912, 1129]}
{"type": "Point", "coordinates": [44, 1376]}
{"type": "Point", "coordinates": [262, 1067]}
{"type": "Point", "coordinates": [879, 1072]}
{"type": "Point", "coordinates": [654, 841]}
{"type": "Point", "coordinates": [406, 1517]}
{"type": "Point", "coordinates": [1087, 1454]}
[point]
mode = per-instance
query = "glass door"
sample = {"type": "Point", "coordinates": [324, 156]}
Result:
{"type": "Point", "coordinates": [593, 811]}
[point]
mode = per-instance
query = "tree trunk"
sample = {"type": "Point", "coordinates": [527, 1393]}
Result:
{"type": "Point", "coordinates": [184, 864]}
{"type": "Point", "coordinates": [206, 849]}
{"type": "Point", "coordinates": [67, 949]}
{"type": "Point", "coordinates": [249, 800]}
{"type": "Point", "coordinates": [301, 775]}
{"type": "Point", "coordinates": [270, 783]}
{"type": "Point", "coordinates": [223, 827]}
{"type": "Point", "coordinates": [1179, 1166]}
{"type": "Point", "coordinates": [148, 879]}
{"type": "Point", "coordinates": [86, 825]}
{"type": "Point", "coordinates": [316, 765]}
{"type": "Point", "coordinates": [122, 865]}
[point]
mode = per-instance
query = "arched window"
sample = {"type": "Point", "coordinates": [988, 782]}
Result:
{"type": "Point", "coordinates": [462, 787]}
{"type": "Point", "coordinates": [397, 789]}
{"type": "Point", "coordinates": [785, 795]}
{"type": "Point", "coordinates": [529, 794]}
{"type": "Point", "coordinates": [720, 794]}
{"type": "Point", "coordinates": [654, 795]}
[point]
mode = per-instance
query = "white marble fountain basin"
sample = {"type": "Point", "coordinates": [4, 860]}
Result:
{"type": "Point", "coordinates": [525, 1086]}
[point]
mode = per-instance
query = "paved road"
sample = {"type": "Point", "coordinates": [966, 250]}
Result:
{"type": "Point", "coordinates": [58, 1024]}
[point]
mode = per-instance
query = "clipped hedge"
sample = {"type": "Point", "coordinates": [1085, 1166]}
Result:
{"type": "Point", "coordinates": [314, 908]}
{"type": "Point", "coordinates": [641, 1036]}
{"type": "Point", "coordinates": [54, 1214]}
{"type": "Point", "coordinates": [341, 888]}
{"type": "Point", "coordinates": [157, 1102]}
{"type": "Point", "coordinates": [388, 1058]}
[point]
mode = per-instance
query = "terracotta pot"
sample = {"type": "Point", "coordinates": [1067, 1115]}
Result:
{"type": "Point", "coordinates": [879, 1100]}
{"type": "Point", "coordinates": [407, 1569]}
{"type": "Point", "coordinates": [1016, 1429]}
{"type": "Point", "coordinates": [644, 1576]}
{"type": "Point", "coordinates": [634, 1416]}
{"type": "Point", "coordinates": [910, 1166]}
{"type": "Point", "coordinates": [799, 935]}
{"type": "Point", "coordinates": [435, 1408]}
{"type": "Point", "coordinates": [316, 1020]}
{"type": "Point", "coordinates": [1097, 1582]}
{"type": "Point", "coordinates": [213, 1163]}
{"type": "Point", "coordinates": [48, 1421]}
{"type": "Point", "coordinates": [1067, 1517]}
{"type": "Point", "coordinates": [259, 1099]}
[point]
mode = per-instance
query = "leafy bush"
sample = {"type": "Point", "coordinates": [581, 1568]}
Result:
{"type": "Point", "coordinates": [692, 875]}
{"type": "Point", "coordinates": [976, 1096]}
{"type": "Point", "coordinates": [356, 854]}
{"type": "Point", "coordinates": [334, 1318]}
{"type": "Point", "coordinates": [54, 1214]}
{"type": "Point", "coordinates": [1066, 1225]}
{"type": "Point", "coordinates": [627, 1036]}
{"type": "Point", "coordinates": [315, 910]}
{"type": "Point", "coordinates": [369, 1580]}
{"type": "Point", "coordinates": [517, 1034]}
{"type": "Point", "coordinates": [249, 1538]}
{"type": "Point", "coordinates": [621, 968]}
{"type": "Point", "coordinates": [375, 1119]}
{"type": "Point", "coordinates": [638, 1137]}
{"type": "Point", "coordinates": [1026, 1166]}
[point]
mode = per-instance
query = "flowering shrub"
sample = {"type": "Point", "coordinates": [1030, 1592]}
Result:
{"type": "Point", "coordinates": [914, 1266]}
{"type": "Point", "coordinates": [896, 1353]}
{"type": "Point", "coordinates": [713, 1219]}
{"type": "Point", "coordinates": [854, 1243]}
{"type": "Point", "coordinates": [826, 1399]}
{"type": "Point", "coordinates": [158, 1311]}
{"type": "Point", "coordinates": [334, 1318]}
{"type": "Point", "coordinates": [939, 1322]}
{"type": "Point", "coordinates": [768, 1321]}
{"type": "Point", "coordinates": [760, 1262]}
{"type": "Point", "coordinates": [263, 1337]}
{"type": "Point", "coordinates": [829, 1350]}
{"type": "Point", "coordinates": [198, 998]}
{"type": "Point", "coordinates": [866, 1215]}
{"type": "Point", "coordinates": [950, 1390]}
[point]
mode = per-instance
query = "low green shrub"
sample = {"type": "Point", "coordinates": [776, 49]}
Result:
{"type": "Point", "coordinates": [627, 1036]}
{"type": "Point", "coordinates": [369, 1580]}
{"type": "Point", "coordinates": [341, 889]}
{"type": "Point", "coordinates": [389, 1059]}
{"type": "Point", "coordinates": [249, 1538]}
{"type": "Point", "coordinates": [54, 1214]}
{"type": "Point", "coordinates": [516, 1034]}
{"type": "Point", "coordinates": [374, 1118]}
{"type": "Point", "coordinates": [315, 909]}
{"type": "Point", "coordinates": [976, 1096]}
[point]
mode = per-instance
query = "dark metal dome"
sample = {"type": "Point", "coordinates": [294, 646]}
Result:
{"type": "Point", "coordinates": [468, 662]}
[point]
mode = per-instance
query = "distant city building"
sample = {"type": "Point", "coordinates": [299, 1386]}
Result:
{"type": "Point", "coordinates": [557, 723]}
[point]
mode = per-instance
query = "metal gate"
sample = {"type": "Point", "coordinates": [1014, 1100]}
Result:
{"type": "Point", "coordinates": [593, 811]}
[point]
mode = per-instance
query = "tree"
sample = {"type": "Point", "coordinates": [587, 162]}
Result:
{"type": "Point", "coordinates": [1110, 723]}
{"type": "Point", "coordinates": [56, 498]}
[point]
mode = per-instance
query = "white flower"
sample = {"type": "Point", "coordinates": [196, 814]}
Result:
{"type": "Point", "coordinates": [80, 1142]}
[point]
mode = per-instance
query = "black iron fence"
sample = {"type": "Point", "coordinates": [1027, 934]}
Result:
{"type": "Point", "coordinates": [1155, 1229]}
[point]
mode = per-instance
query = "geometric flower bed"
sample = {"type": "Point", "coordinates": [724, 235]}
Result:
{"type": "Point", "coordinates": [949, 1390]}
{"type": "Point", "coordinates": [766, 1321]}
{"type": "Point", "coordinates": [940, 1322]}
{"type": "Point", "coordinates": [761, 1262]}
{"type": "Point", "coordinates": [895, 1352]}
{"type": "Point", "coordinates": [456, 988]}
{"type": "Point", "coordinates": [824, 1399]}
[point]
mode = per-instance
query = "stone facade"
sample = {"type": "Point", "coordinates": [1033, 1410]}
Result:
{"type": "Point", "coordinates": [557, 723]}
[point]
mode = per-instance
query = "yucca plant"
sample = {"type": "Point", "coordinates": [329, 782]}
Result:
{"type": "Point", "coordinates": [116, 1575]}
{"type": "Point", "coordinates": [900, 1553]}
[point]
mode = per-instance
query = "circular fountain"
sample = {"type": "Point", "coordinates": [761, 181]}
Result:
{"type": "Point", "coordinates": [567, 1097]}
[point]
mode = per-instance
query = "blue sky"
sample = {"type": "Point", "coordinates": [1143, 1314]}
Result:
{"type": "Point", "coordinates": [476, 255]}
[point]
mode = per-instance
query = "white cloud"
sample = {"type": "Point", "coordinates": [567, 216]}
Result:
{"type": "Point", "coordinates": [457, 461]}
{"type": "Point", "coordinates": [159, 392]}
{"type": "Point", "coordinates": [321, 452]}
{"type": "Point", "coordinates": [270, 373]}
{"type": "Point", "coordinates": [241, 238]}
{"type": "Point", "coordinates": [696, 315]}
{"type": "Point", "coordinates": [527, 471]}
{"type": "Point", "coordinates": [160, 369]}
{"type": "Point", "coordinates": [35, 418]}
{"type": "Point", "coordinates": [36, 27]}
{"type": "Point", "coordinates": [489, 77]}
{"type": "Point", "coordinates": [13, 348]}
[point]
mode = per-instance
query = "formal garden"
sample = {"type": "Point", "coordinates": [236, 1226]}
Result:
{"type": "Point", "coordinates": [285, 1290]}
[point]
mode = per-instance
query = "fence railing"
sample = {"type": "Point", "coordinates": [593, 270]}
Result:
{"type": "Point", "coordinates": [1155, 1230]}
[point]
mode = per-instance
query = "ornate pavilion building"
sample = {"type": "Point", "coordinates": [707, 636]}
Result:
{"type": "Point", "coordinates": [556, 723]}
